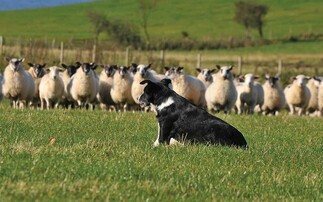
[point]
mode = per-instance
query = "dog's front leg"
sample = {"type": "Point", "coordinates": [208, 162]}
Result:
{"type": "Point", "coordinates": [164, 131]}
{"type": "Point", "coordinates": [156, 143]}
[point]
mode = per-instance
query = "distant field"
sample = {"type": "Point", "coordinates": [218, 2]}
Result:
{"type": "Point", "coordinates": [201, 19]}
{"type": "Point", "coordinates": [109, 156]}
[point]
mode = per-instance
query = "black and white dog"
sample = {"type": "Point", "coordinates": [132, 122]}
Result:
{"type": "Point", "coordinates": [181, 120]}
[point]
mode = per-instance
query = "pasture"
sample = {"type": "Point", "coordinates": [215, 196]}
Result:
{"type": "Point", "coordinates": [101, 155]}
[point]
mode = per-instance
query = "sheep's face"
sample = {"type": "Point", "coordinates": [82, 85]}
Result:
{"type": "Point", "coordinates": [249, 79]}
{"type": "Point", "coordinates": [38, 69]}
{"type": "Point", "coordinates": [206, 73]}
{"type": "Point", "coordinates": [301, 80]}
{"type": "Point", "coordinates": [317, 81]}
{"type": "Point", "coordinates": [169, 71]}
{"type": "Point", "coordinates": [272, 80]}
{"type": "Point", "coordinates": [142, 70]}
{"type": "Point", "coordinates": [54, 72]}
{"type": "Point", "coordinates": [71, 69]}
{"type": "Point", "coordinates": [15, 64]}
{"type": "Point", "coordinates": [110, 70]}
{"type": "Point", "coordinates": [123, 71]}
{"type": "Point", "coordinates": [225, 71]}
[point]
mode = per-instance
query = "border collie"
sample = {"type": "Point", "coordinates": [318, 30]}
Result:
{"type": "Point", "coordinates": [181, 120]}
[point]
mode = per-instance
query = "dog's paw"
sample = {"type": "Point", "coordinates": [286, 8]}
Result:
{"type": "Point", "coordinates": [156, 143]}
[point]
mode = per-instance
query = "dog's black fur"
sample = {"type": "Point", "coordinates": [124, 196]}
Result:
{"type": "Point", "coordinates": [186, 122]}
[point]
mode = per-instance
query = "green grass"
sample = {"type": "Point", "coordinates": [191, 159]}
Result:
{"type": "Point", "coordinates": [101, 155]}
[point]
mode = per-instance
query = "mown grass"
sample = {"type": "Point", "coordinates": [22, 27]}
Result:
{"type": "Point", "coordinates": [109, 156]}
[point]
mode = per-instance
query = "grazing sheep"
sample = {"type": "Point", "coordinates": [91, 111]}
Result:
{"type": "Point", "coordinates": [18, 85]}
{"type": "Point", "coordinates": [70, 70]}
{"type": "Point", "coordinates": [274, 97]}
{"type": "Point", "coordinates": [320, 97]}
{"type": "Point", "coordinates": [297, 95]}
{"type": "Point", "coordinates": [313, 85]}
{"type": "Point", "coordinates": [1, 80]}
{"type": "Point", "coordinates": [247, 94]}
{"type": "Point", "coordinates": [221, 94]}
{"type": "Point", "coordinates": [121, 88]}
{"type": "Point", "coordinates": [105, 85]}
{"type": "Point", "coordinates": [37, 72]}
{"type": "Point", "coordinates": [187, 86]}
{"type": "Point", "coordinates": [84, 85]}
{"type": "Point", "coordinates": [51, 88]}
{"type": "Point", "coordinates": [205, 75]}
{"type": "Point", "coordinates": [143, 72]}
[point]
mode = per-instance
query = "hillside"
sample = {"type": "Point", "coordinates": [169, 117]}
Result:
{"type": "Point", "coordinates": [201, 19]}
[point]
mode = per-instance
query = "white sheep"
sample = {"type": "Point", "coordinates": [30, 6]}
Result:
{"type": "Point", "coordinates": [37, 72]}
{"type": "Point", "coordinates": [313, 85]}
{"type": "Point", "coordinates": [105, 85]}
{"type": "Point", "coordinates": [84, 85]}
{"type": "Point", "coordinates": [51, 88]}
{"type": "Point", "coordinates": [121, 88]}
{"type": "Point", "coordinates": [297, 95]}
{"type": "Point", "coordinates": [320, 97]}
{"type": "Point", "coordinates": [247, 95]}
{"type": "Point", "coordinates": [187, 86]}
{"type": "Point", "coordinates": [221, 94]}
{"type": "Point", "coordinates": [18, 85]}
{"type": "Point", "coordinates": [205, 75]}
{"type": "Point", "coordinates": [143, 72]}
{"type": "Point", "coordinates": [70, 70]}
{"type": "Point", "coordinates": [1, 80]}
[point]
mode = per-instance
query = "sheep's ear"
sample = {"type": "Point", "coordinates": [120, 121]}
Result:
{"type": "Point", "coordinates": [294, 78]}
{"type": "Point", "coordinates": [94, 66]}
{"type": "Point", "coordinates": [308, 77]}
{"type": "Point", "coordinates": [8, 59]}
{"type": "Point", "coordinates": [267, 76]}
{"type": "Point", "coordinates": [218, 66]}
{"type": "Point", "coordinates": [64, 65]}
{"type": "Point", "coordinates": [256, 77]}
{"type": "Point", "coordinates": [212, 70]}
{"type": "Point", "coordinates": [198, 69]}
{"type": "Point", "coordinates": [43, 65]}
{"type": "Point", "coordinates": [134, 65]}
{"type": "Point", "coordinates": [145, 81]}
{"type": "Point", "coordinates": [78, 64]}
{"type": "Point", "coordinates": [230, 68]}
{"type": "Point", "coordinates": [21, 60]}
{"type": "Point", "coordinates": [47, 70]}
{"type": "Point", "coordinates": [30, 64]}
{"type": "Point", "coordinates": [60, 70]}
{"type": "Point", "coordinates": [166, 68]}
{"type": "Point", "coordinates": [179, 69]}
{"type": "Point", "coordinates": [317, 78]}
{"type": "Point", "coordinates": [166, 82]}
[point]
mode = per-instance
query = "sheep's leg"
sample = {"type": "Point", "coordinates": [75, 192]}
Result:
{"type": "Point", "coordinates": [301, 111]}
{"type": "Point", "coordinates": [291, 109]}
{"type": "Point", "coordinates": [48, 104]}
{"type": "Point", "coordinates": [125, 107]}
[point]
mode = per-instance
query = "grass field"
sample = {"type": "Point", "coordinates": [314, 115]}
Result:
{"type": "Point", "coordinates": [109, 156]}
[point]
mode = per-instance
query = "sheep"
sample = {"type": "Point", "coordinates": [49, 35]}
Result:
{"type": "Point", "coordinates": [274, 97]}
{"type": "Point", "coordinates": [18, 85]}
{"type": "Point", "coordinates": [105, 85]}
{"type": "Point", "coordinates": [313, 85]}
{"type": "Point", "coordinates": [320, 98]}
{"type": "Point", "coordinates": [221, 94]}
{"type": "Point", "coordinates": [205, 75]}
{"type": "Point", "coordinates": [260, 97]}
{"type": "Point", "coordinates": [1, 80]}
{"type": "Point", "coordinates": [70, 70]}
{"type": "Point", "coordinates": [84, 85]}
{"type": "Point", "coordinates": [142, 73]}
{"type": "Point", "coordinates": [51, 88]}
{"type": "Point", "coordinates": [187, 86]}
{"type": "Point", "coordinates": [247, 94]}
{"type": "Point", "coordinates": [121, 88]}
{"type": "Point", "coordinates": [297, 95]}
{"type": "Point", "coordinates": [37, 72]}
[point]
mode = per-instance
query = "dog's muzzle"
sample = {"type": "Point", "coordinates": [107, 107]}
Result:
{"type": "Point", "coordinates": [142, 102]}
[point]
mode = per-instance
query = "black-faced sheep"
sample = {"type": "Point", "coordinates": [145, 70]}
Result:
{"type": "Point", "coordinates": [313, 85]}
{"type": "Point", "coordinates": [18, 85]}
{"type": "Point", "coordinates": [221, 94]}
{"type": "Point", "coordinates": [37, 72]}
{"type": "Point", "coordinates": [70, 70]}
{"type": "Point", "coordinates": [205, 75]}
{"type": "Point", "coordinates": [105, 85]}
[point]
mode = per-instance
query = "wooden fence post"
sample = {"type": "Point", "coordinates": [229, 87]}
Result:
{"type": "Point", "coordinates": [94, 53]}
{"type": "Point", "coordinates": [1, 45]}
{"type": "Point", "coordinates": [198, 64]}
{"type": "Point", "coordinates": [62, 52]}
{"type": "Point", "coordinates": [162, 58]}
{"type": "Point", "coordinates": [127, 56]}
{"type": "Point", "coordinates": [239, 65]}
{"type": "Point", "coordinates": [280, 65]}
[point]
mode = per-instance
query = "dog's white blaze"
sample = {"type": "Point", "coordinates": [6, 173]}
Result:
{"type": "Point", "coordinates": [165, 104]}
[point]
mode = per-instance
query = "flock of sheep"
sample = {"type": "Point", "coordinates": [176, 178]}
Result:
{"type": "Point", "coordinates": [118, 88]}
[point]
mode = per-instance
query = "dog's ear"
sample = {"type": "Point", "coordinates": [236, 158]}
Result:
{"type": "Point", "coordinates": [166, 82]}
{"type": "Point", "coordinates": [145, 81]}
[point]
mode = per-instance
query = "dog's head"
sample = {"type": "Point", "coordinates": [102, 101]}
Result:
{"type": "Point", "coordinates": [154, 92]}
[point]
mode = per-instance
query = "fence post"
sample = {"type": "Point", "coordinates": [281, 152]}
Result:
{"type": "Point", "coordinates": [240, 65]}
{"type": "Point", "coordinates": [94, 53]}
{"type": "Point", "coordinates": [162, 58]}
{"type": "Point", "coordinates": [198, 65]}
{"type": "Point", "coordinates": [62, 52]}
{"type": "Point", "coordinates": [127, 56]}
{"type": "Point", "coordinates": [280, 65]}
